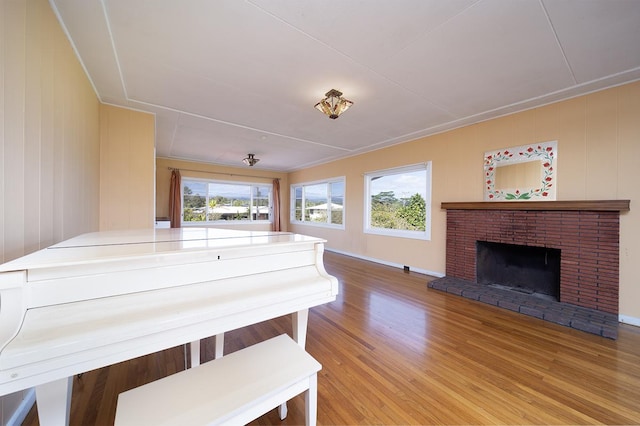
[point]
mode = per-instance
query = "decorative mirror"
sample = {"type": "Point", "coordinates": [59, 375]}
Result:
{"type": "Point", "coordinates": [522, 173]}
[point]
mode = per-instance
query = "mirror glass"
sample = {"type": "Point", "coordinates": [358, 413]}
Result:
{"type": "Point", "coordinates": [519, 175]}
{"type": "Point", "coordinates": [522, 173]}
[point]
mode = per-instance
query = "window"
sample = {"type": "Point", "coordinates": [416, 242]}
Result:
{"type": "Point", "coordinates": [318, 203]}
{"type": "Point", "coordinates": [398, 202]}
{"type": "Point", "coordinates": [205, 201]}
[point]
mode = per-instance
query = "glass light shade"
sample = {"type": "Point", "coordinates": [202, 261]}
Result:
{"type": "Point", "coordinates": [333, 104]}
{"type": "Point", "coordinates": [250, 160]}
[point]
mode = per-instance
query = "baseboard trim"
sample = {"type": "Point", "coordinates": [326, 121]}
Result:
{"type": "Point", "coordinates": [626, 319]}
{"type": "Point", "coordinates": [383, 262]}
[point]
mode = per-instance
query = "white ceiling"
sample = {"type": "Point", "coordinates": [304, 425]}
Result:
{"type": "Point", "coordinates": [226, 77]}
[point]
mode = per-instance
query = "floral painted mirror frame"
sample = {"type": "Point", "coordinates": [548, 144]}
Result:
{"type": "Point", "coordinates": [546, 153]}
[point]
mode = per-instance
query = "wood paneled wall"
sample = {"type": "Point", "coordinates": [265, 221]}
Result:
{"type": "Point", "coordinates": [49, 139]}
{"type": "Point", "coordinates": [49, 162]}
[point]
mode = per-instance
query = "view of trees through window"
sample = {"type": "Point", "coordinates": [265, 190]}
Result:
{"type": "Point", "coordinates": [397, 200]}
{"type": "Point", "coordinates": [209, 201]}
{"type": "Point", "coordinates": [390, 212]}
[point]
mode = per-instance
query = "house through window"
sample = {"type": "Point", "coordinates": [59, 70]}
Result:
{"type": "Point", "coordinates": [207, 201]}
{"type": "Point", "coordinates": [318, 203]}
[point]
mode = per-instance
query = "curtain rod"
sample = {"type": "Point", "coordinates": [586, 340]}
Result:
{"type": "Point", "coordinates": [220, 173]}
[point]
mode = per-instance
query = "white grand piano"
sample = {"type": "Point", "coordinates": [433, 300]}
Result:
{"type": "Point", "coordinates": [106, 297]}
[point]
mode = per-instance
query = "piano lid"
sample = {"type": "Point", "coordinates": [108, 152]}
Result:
{"type": "Point", "coordinates": [113, 245]}
{"type": "Point", "coordinates": [151, 235]}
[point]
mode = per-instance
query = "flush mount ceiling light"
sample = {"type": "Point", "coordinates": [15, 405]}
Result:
{"type": "Point", "coordinates": [333, 104]}
{"type": "Point", "coordinates": [250, 161]}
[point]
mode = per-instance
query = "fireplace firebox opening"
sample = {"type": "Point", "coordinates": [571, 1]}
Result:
{"type": "Point", "coordinates": [526, 269]}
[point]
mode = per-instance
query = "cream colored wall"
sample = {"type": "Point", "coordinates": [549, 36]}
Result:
{"type": "Point", "coordinates": [211, 171]}
{"type": "Point", "coordinates": [127, 169]}
{"type": "Point", "coordinates": [598, 152]}
{"type": "Point", "coordinates": [49, 136]}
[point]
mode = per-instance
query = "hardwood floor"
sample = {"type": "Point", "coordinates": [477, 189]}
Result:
{"type": "Point", "coordinates": [395, 352]}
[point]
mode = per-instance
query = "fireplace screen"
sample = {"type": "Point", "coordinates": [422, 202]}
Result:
{"type": "Point", "coordinates": [527, 269]}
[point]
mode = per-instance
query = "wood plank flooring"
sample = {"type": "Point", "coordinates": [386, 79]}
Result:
{"type": "Point", "coordinates": [395, 352]}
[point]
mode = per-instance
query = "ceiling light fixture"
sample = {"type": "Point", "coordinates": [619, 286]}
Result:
{"type": "Point", "coordinates": [333, 104]}
{"type": "Point", "coordinates": [250, 161]}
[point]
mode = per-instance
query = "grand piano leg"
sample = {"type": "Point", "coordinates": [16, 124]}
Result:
{"type": "Point", "coordinates": [195, 353]}
{"type": "Point", "coordinates": [53, 400]}
{"type": "Point", "coordinates": [300, 320]}
{"type": "Point", "coordinates": [219, 345]}
{"type": "Point", "coordinates": [195, 349]}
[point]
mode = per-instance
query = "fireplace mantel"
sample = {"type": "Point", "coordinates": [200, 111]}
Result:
{"type": "Point", "coordinates": [578, 205]}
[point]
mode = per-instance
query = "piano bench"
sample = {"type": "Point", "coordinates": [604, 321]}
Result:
{"type": "Point", "coordinates": [234, 389]}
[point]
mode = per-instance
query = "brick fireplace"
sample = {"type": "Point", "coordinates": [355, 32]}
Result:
{"type": "Point", "coordinates": [585, 232]}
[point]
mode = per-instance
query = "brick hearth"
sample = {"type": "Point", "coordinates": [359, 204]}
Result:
{"type": "Point", "coordinates": [595, 322]}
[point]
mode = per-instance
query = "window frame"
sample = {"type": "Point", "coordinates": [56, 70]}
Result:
{"type": "Point", "coordinates": [327, 182]}
{"type": "Point", "coordinates": [246, 184]}
{"type": "Point", "coordinates": [419, 235]}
